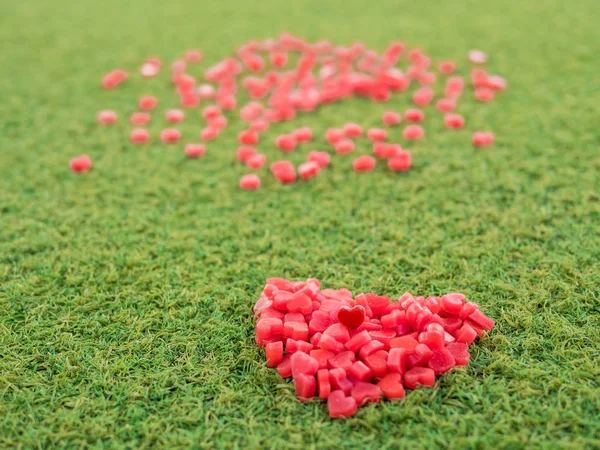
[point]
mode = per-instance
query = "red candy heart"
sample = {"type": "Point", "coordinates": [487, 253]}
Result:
{"type": "Point", "coordinates": [341, 406]}
{"type": "Point", "coordinates": [391, 386]}
{"type": "Point", "coordinates": [351, 317]}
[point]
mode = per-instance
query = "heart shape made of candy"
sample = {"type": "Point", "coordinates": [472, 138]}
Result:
{"type": "Point", "coordinates": [352, 350]}
{"type": "Point", "coordinates": [352, 317]}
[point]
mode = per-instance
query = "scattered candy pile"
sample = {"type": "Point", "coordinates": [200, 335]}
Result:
{"type": "Point", "coordinates": [286, 76]}
{"type": "Point", "coordinates": [351, 351]}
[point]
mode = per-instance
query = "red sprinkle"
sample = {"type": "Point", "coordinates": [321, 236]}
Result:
{"type": "Point", "coordinates": [194, 56]}
{"type": "Point", "coordinates": [244, 152]}
{"type": "Point", "coordinates": [139, 136]}
{"type": "Point", "coordinates": [454, 121]}
{"type": "Point", "coordinates": [414, 115]}
{"type": "Point", "coordinates": [344, 146]}
{"type": "Point", "coordinates": [400, 162]}
{"type": "Point", "coordinates": [286, 142]}
{"type": "Point", "coordinates": [185, 83]}
{"type": "Point", "coordinates": [278, 59]}
{"type": "Point", "coordinates": [496, 83]}
{"type": "Point", "coordinates": [385, 150]}
{"type": "Point", "coordinates": [195, 150]}
{"type": "Point", "coordinates": [209, 133]}
{"type": "Point", "coordinates": [189, 100]}
{"type": "Point", "coordinates": [427, 78]}
{"type": "Point", "coordinates": [256, 161]}
{"type": "Point", "coordinates": [352, 130]}
{"type": "Point", "coordinates": [170, 135]}
{"type": "Point", "coordinates": [484, 94]}
{"type": "Point", "coordinates": [81, 164]}
{"type": "Point", "coordinates": [210, 112]}
{"type": "Point", "coordinates": [178, 67]}
{"type": "Point", "coordinates": [364, 163]}
{"type": "Point", "coordinates": [250, 182]}
{"type": "Point", "coordinates": [107, 117]}
{"type": "Point", "coordinates": [391, 118]}
{"type": "Point", "coordinates": [112, 79]}
{"type": "Point", "coordinates": [206, 91]}
{"type": "Point", "coordinates": [151, 67]}
{"type": "Point", "coordinates": [447, 67]}
{"type": "Point", "coordinates": [483, 138]}
{"type": "Point", "coordinates": [321, 158]}
{"type": "Point", "coordinates": [479, 78]}
{"type": "Point", "coordinates": [259, 125]}
{"type": "Point", "coordinates": [139, 118]}
{"type": "Point", "coordinates": [149, 70]}
{"type": "Point", "coordinates": [147, 102]}
{"type": "Point", "coordinates": [477, 57]}
{"type": "Point", "coordinates": [377, 134]}
{"type": "Point", "coordinates": [454, 87]}
{"type": "Point", "coordinates": [174, 115]}
{"type": "Point", "coordinates": [227, 102]}
{"type": "Point", "coordinates": [413, 133]}
{"type": "Point", "coordinates": [308, 170]}
{"type": "Point", "coordinates": [283, 171]}
{"type": "Point", "coordinates": [423, 96]}
{"type": "Point", "coordinates": [446, 105]}
{"type": "Point", "coordinates": [333, 135]}
{"type": "Point", "coordinates": [248, 137]}
{"type": "Point", "coordinates": [303, 134]}
{"type": "Point", "coordinates": [219, 122]}
{"type": "Point", "coordinates": [251, 111]}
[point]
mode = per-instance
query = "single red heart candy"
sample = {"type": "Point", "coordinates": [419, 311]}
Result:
{"type": "Point", "coordinates": [351, 317]}
{"type": "Point", "coordinates": [303, 363]}
{"type": "Point", "coordinates": [460, 351]}
{"type": "Point", "coordinates": [339, 405]}
{"type": "Point", "coordinates": [366, 393]}
{"type": "Point", "coordinates": [391, 386]}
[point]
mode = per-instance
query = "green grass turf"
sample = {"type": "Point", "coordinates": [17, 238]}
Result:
{"type": "Point", "coordinates": [126, 293]}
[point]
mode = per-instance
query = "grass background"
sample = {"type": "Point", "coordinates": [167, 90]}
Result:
{"type": "Point", "coordinates": [126, 293]}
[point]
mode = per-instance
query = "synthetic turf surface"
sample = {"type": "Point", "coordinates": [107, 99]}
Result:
{"type": "Point", "coordinates": [126, 293]}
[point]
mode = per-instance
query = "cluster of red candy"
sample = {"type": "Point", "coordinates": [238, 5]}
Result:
{"type": "Point", "coordinates": [288, 75]}
{"type": "Point", "coordinates": [354, 350]}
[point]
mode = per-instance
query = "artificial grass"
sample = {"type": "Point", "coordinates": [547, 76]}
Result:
{"type": "Point", "coordinates": [126, 293]}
